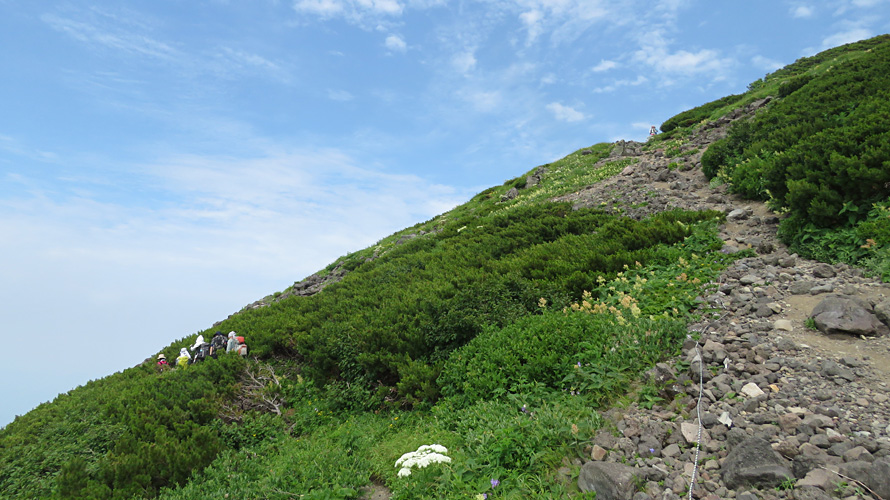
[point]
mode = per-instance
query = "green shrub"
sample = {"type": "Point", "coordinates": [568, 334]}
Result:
{"type": "Point", "coordinates": [821, 154]}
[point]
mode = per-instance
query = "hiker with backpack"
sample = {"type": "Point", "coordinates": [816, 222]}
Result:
{"type": "Point", "coordinates": [184, 358]}
{"type": "Point", "coordinates": [232, 345]}
{"type": "Point", "coordinates": [201, 350]}
{"type": "Point", "coordinates": [162, 362]}
{"type": "Point", "coordinates": [217, 344]}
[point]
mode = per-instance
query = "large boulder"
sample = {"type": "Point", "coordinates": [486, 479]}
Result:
{"type": "Point", "coordinates": [610, 481]}
{"type": "Point", "coordinates": [753, 463]}
{"type": "Point", "coordinates": [875, 475]}
{"type": "Point", "coordinates": [847, 316]}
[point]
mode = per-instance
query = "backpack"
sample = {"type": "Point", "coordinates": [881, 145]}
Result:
{"type": "Point", "coordinates": [218, 342]}
{"type": "Point", "coordinates": [203, 352]}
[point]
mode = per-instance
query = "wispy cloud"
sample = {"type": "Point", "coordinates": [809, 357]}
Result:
{"type": "Point", "coordinates": [340, 95]}
{"type": "Point", "coordinates": [655, 52]}
{"type": "Point", "coordinates": [126, 35]}
{"type": "Point", "coordinates": [849, 35]}
{"type": "Point", "coordinates": [617, 84]}
{"type": "Point", "coordinates": [802, 12]}
{"type": "Point", "coordinates": [605, 65]}
{"type": "Point", "coordinates": [94, 31]}
{"type": "Point", "coordinates": [766, 63]}
{"type": "Point", "coordinates": [484, 101]}
{"type": "Point", "coordinates": [464, 62]}
{"type": "Point", "coordinates": [14, 146]}
{"type": "Point", "coordinates": [565, 113]}
{"type": "Point", "coordinates": [360, 12]}
{"type": "Point", "coordinates": [213, 211]}
{"type": "Point", "coordinates": [395, 43]}
{"type": "Point", "coordinates": [565, 20]}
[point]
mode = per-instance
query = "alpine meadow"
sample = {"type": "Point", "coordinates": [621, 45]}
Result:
{"type": "Point", "coordinates": [500, 332]}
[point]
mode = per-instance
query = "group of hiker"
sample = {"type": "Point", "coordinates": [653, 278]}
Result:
{"type": "Point", "coordinates": [203, 350]}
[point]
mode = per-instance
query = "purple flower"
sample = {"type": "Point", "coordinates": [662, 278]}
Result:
{"type": "Point", "coordinates": [579, 364]}
{"type": "Point", "coordinates": [495, 483]}
{"type": "Point", "coordinates": [523, 409]}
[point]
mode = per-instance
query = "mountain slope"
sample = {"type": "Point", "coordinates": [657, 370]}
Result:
{"type": "Point", "coordinates": [492, 329]}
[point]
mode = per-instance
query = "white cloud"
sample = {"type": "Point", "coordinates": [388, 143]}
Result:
{"type": "Point", "coordinates": [395, 43]}
{"type": "Point", "coordinates": [605, 65]}
{"type": "Point", "coordinates": [98, 31]}
{"type": "Point", "coordinates": [532, 21]}
{"type": "Point", "coordinates": [766, 64]}
{"type": "Point", "coordinates": [357, 11]}
{"type": "Point", "coordinates": [464, 62]}
{"type": "Point", "coordinates": [340, 95]}
{"type": "Point", "coordinates": [854, 34]}
{"type": "Point", "coordinates": [681, 62]}
{"type": "Point", "coordinates": [12, 145]}
{"type": "Point", "coordinates": [802, 12]}
{"type": "Point", "coordinates": [639, 80]}
{"type": "Point", "coordinates": [565, 20]}
{"type": "Point", "coordinates": [565, 113]}
{"type": "Point", "coordinates": [323, 8]}
{"type": "Point", "coordinates": [485, 101]}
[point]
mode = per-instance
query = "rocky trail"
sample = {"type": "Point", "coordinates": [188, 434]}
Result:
{"type": "Point", "coordinates": [787, 411]}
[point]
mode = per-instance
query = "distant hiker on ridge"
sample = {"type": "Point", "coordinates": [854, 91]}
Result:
{"type": "Point", "coordinates": [162, 362]}
{"type": "Point", "coordinates": [653, 131]}
{"type": "Point", "coordinates": [184, 358]}
{"type": "Point", "coordinates": [217, 343]}
{"type": "Point", "coordinates": [233, 343]}
{"type": "Point", "coordinates": [201, 349]}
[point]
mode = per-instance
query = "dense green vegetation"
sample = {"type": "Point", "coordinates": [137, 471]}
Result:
{"type": "Point", "coordinates": [821, 153]}
{"type": "Point", "coordinates": [127, 435]}
{"type": "Point", "coordinates": [496, 330]}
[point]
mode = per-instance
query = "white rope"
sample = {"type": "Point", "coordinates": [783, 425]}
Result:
{"type": "Point", "coordinates": [701, 390]}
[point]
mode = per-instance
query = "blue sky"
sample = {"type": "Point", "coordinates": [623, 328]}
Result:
{"type": "Point", "coordinates": [164, 163]}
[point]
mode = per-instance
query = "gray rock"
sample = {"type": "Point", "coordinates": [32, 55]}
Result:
{"type": "Point", "coordinates": [509, 195]}
{"type": "Point", "coordinates": [882, 311]}
{"type": "Point", "coordinates": [754, 463]}
{"type": "Point", "coordinates": [843, 315]}
{"type": "Point", "coordinates": [810, 493]}
{"type": "Point", "coordinates": [610, 481]}
{"type": "Point", "coordinates": [737, 215]}
{"type": "Point", "coordinates": [801, 287]}
{"type": "Point", "coordinates": [832, 369]}
{"type": "Point", "coordinates": [824, 271]}
{"type": "Point", "coordinates": [826, 288]}
{"type": "Point", "coordinates": [874, 475]}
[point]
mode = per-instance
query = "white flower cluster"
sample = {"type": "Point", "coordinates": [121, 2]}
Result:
{"type": "Point", "coordinates": [425, 455]}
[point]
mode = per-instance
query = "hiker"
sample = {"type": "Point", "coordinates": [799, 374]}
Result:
{"type": "Point", "coordinates": [201, 349]}
{"type": "Point", "coordinates": [653, 131]}
{"type": "Point", "coordinates": [217, 343]}
{"type": "Point", "coordinates": [242, 347]}
{"type": "Point", "coordinates": [162, 362]}
{"type": "Point", "coordinates": [233, 343]}
{"type": "Point", "coordinates": [184, 358]}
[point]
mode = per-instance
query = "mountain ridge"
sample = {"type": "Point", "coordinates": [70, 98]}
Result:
{"type": "Point", "coordinates": [515, 258]}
